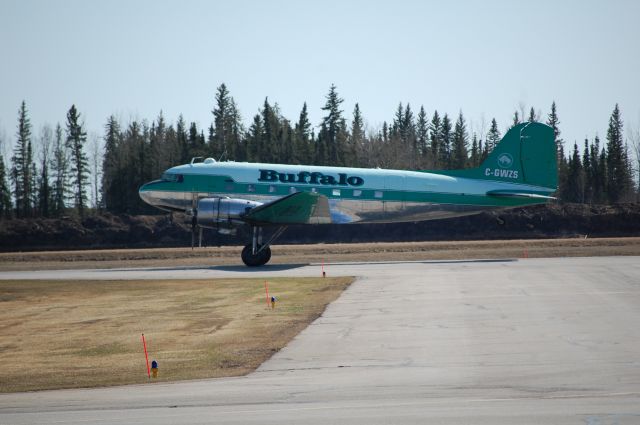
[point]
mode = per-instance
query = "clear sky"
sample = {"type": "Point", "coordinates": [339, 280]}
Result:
{"type": "Point", "coordinates": [135, 58]}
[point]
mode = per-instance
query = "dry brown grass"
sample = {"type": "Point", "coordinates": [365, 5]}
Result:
{"type": "Point", "coordinates": [288, 254]}
{"type": "Point", "coordinates": [56, 334]}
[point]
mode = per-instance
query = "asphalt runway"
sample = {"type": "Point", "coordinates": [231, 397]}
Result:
{"type": "Point", "coordinates": [532, 341]}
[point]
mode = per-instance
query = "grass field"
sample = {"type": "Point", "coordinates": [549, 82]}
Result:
{"type": "Point", "coordinates": [56, 334]}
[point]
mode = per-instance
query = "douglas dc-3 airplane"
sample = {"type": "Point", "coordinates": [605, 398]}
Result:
{"type": "Point", "coordinates": [521, 170]}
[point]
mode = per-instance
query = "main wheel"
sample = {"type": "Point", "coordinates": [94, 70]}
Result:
{"type": "Point", "coordinates": [259, 259]}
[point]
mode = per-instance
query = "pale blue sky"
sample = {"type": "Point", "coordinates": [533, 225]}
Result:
{"type": "Point", "coordinates": [134, 58]}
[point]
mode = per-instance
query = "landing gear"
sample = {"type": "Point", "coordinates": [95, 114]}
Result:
{"type": "Point", "coordinates": [256, 253]}
{"type": "Point", "coordinates": [260, 258]}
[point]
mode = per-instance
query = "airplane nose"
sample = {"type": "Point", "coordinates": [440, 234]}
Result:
{"type": "Point", "coordinates": [146, 195]}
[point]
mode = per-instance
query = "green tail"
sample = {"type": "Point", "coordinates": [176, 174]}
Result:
{"type": "Point", "coordinates": [526, 154]}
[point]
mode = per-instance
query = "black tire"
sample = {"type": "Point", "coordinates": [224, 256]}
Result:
{"type": "Point", "coordinates": [260, 259]}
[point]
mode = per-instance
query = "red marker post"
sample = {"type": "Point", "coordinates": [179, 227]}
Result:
{"type": "Point", "coordinates": [146, 356]}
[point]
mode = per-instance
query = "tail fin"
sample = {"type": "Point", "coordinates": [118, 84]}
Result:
{"type": "Point", "coordinates": [526, 154]}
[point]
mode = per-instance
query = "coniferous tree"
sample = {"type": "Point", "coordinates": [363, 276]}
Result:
{"type": "Point", "coordinates": [493, 137]}
{"type": "Point", "coordinates": [5, 194]}
{"type": "Point", "coordinates": [76, 138]}
{"type": "Point", "coordinates": [111, 166]}
{"type": "Point", "coordinates": [44, 186]}
{"type": "Point", "coordinates": [422, 139]}
{"type": "Point", "coordinates": [436, 131]}
{"type": "Point", "coordinates": [532, 115]}
{"type": "Point", "coordinates": [459, 154]}
{"type": "Point", "coordinates": [574, 189]}
{"type": "Point", "coordinates": [60, 168]}
{"type": "Point", "coordinates": [516, 119]}
{"type": "Point", "coordinates": [445, 143]}
{"type": "Point", "coordinates": [254, 139]}
{"type": "Point", "coordinates": [356, 140]}
{"type": "Point", "coordinates": [475, 152]}
{"type": "Point", "coordinates": [22, 160]}
{"type": "Point", "coordinates": [182, 141]}
{"type": "Point", "coordinates": [302, 137]}
{"type": "Point", "coordinates": [619, 182]}
{"type": "Point", "coordinates": [332, 126]}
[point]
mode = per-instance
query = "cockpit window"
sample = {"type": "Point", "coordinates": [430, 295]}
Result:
{"type": "Point", "coordinates": [170, 177]}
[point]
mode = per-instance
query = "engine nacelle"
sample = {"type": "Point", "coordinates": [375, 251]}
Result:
{"type": "Point", "coordinates": [223, 212]}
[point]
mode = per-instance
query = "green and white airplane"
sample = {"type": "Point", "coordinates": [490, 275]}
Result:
{"type": "Point", "coordinates": [521, 170]}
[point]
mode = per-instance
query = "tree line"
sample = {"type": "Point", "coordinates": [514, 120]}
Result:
{"type": "Point", "coordinates": [56, 183]}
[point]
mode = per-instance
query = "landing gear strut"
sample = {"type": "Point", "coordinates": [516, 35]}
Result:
{"type": "Point", "coordinates": [256, 253]}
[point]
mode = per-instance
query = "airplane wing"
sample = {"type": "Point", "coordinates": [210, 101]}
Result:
{"type": "Point", "coordinates": [297, 208]}
{"type": "Point", "coordinates": [513, 194]}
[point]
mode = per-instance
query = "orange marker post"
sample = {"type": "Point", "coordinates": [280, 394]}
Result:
{"type": "Point", "coordinates": [146, 356]}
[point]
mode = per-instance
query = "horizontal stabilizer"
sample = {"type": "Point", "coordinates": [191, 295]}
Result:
{"type": "Point", "coordinates": [297, 208]}
{"type": "Point", "coordinates": [510, 194]}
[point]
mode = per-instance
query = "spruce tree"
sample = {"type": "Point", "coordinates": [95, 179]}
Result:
{"type": "Point", "coordinates": [619, 181]}
{"type": "Point", "coordinates": [422, 139]}
{"type": "Point", "coordinates": [302, 136]}
{"type": "Point", "coordinates": [22, 160]}
{"type": "Point", "coordinates": [76, 138]}
{"type": "Point", "coordinates": [44, 186]}
{"type": "Point", "coordinates": [111, 165]}
{"type": "Point", "coordinates": [445, 143]}
{"type": "Point", "coordinates": [436, 130]}
{"type": "Point", "coordinates": [475, 152]}
{"type": "Point", "coordinates": [332, 126]}
{"type": "Point", "coordinates": [356, 139]}
{"type": "Point", "coordinates": [5, 194]}
{"type": "Point", "coordinates": [459, 154]}
{"type": "Point", "coordinates": [493, 137]}
{"type": "Point", "coordinates": [60, 168]}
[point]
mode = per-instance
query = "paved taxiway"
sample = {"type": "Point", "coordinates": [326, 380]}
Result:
{"type": "Point", "coordinates": [553, 341]}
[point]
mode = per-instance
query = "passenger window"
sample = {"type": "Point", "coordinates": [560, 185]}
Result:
{"type": "Point", "coordinates": [251, 188]}
{"type": "Point", "coordinates": [272, 189]}
{"type": "Point", "coordinates": [357, 192]}
{"type": "Point", "coordinates": [377, 194]}
{"type": "Point", "coordinates": [335, 192]}
{"type": "Point", "coordinates": [292, 190]}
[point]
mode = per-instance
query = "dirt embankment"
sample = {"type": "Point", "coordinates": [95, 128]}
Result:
{"type": "Point", "coordinates": [110, 231]}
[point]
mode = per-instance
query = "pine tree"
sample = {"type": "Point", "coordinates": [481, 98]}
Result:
{"type": "Point", "coordinates": [619, 182]}
{"type": "Point", "coordinates": [459, 154]}
{"type": "Point", "coordinates": [532, 115]}
{"type": "Point", "coordinates": [76, 138]}
{"type": "Point", "coordinates": [22, 160]}
{"type": "Point", "coordinates": [5, 194]}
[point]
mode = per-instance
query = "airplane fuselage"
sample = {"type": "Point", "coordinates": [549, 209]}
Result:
{"type": "Point", "coordinates": [354, 194]}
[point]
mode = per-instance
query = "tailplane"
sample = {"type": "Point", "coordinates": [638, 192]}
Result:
{"type": "Point", "coordinates": [526, 154]}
